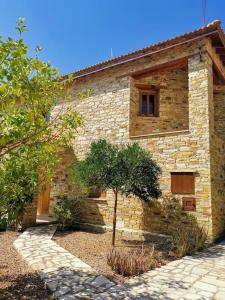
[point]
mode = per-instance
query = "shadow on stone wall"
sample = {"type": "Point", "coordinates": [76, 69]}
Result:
{"type": "Point", "coordinates": [143, 220]}
{"type": "Point", "coordinates": [89, 210]}
{"type": "Point", "coordinates": [92, 211]}
{"type": "Point", "coordinates": [167, 216]}
{"type": "Point", "coordinates": [61, 183]}
{"type": "Point", "coordinates": [161, 217]}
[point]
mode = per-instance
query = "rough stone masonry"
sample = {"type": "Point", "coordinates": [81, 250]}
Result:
{"type": "Point", "coordinates": [188, 134]}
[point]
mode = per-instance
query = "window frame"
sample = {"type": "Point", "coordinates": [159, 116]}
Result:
{"type": "Point", "coordinates": [148, 93]}
{"type": "Point", "coordinates": [188, 189]}
{"type": "Point", "coordinates": [189, 203]}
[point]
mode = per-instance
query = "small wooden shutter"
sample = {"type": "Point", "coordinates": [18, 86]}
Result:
{"type": "Point", "coordinates": [189, 203]}
{"type": "Point", "coordinates": [182, 183]}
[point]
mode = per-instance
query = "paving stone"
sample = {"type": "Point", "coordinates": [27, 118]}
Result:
{"type": "Point", "coordinates": [201, 276]}
{"type": "Point", "coordinates": [77, 289]}
{"type": "Point", "coordinates": [207, 295]}
{"type": "Point", "coordinates": [199, 271]}
{"type": "Point", "coordinates": [190, 279]}
{"type": "Point", "coordinates": [205, 286]}
{"type": "Point", "coordinates": [192, 297]}
{"type": "Point", "coordinates": [99, 281]}
{"type": "Point", "coordinates": [216, 282]}
{"type": "Point", "coordinates": [68, 297]}
{"type": "Point", "coordinates": [118, 288]}
{"type": "Point", "coordinates": [220, 296]}
{"type": "Point", "coordinates": [62, 291]}
{"type": "Point", "coordinates": [52, 285]}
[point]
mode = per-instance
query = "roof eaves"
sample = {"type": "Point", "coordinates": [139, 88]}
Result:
{"type": "Point", "coordinates": [151, 49]}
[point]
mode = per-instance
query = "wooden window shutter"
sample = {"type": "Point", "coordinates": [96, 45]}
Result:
{"type": "Point", "coordinates": [182, 183]}
{"type": "Point", "coordinates": [189, 203]}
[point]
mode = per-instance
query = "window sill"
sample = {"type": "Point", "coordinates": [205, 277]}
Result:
{"type": "Point", "coordinates": [159, 134]}
{"type": "Point", "coordinates": [147, 116]}
{"type": "Point", "coordinates": [186, 170]}
{"type": "Point", "coordinates": [183, 194]}
{"type": "Point", "coordinates": [96, 199]}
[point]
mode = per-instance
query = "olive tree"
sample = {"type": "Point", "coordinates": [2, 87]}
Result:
{"type": "Point", "coordinates": [129, 170]}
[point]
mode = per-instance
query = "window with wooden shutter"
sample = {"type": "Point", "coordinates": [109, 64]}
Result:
{"type": "Point", "coordinates": [182, 183]}
{"type": "Point", "coordinates": [189, 203]}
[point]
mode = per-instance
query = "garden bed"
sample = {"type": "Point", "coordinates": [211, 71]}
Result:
{"type": "Point", "coordinates": [17, 280]}
{"type": "Point", "coordinates": [93, 249]}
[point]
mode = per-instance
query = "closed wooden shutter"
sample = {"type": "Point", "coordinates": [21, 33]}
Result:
{"type": "Point", "coordinates": [182, 183]}
{"type": "Point", "coordinates": [189, 203]}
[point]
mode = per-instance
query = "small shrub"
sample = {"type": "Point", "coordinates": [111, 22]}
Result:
{"type": "Point", "coordinates": [187, 237]}
{"type": "Point", "coordinates": [65, 211]}
{"type": "Point", "coordinates": [129, 262]}
{"type": "Point", "coordinates": [199, 239]}
{"type": "Point", "coordinates": [187, 241]}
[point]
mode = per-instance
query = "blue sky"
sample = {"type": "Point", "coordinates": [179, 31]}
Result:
{"type": "Point", "coordinates": [78, 33]}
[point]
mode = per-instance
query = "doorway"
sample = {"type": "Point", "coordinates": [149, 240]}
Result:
{"type": "Point", "coordinates": [43, 201]}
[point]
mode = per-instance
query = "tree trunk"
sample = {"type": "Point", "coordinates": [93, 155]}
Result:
{"type": "Point", "coordinates": [114, 217]}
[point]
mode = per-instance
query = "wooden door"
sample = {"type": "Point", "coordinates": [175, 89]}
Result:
{"type": "Point", "coordinates": [44, 198]}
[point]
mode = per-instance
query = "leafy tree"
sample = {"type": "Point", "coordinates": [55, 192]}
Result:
{"type": "Point", "coordinates": [31, 128]}
{"type": "Point", "coordinates": [128, 171]}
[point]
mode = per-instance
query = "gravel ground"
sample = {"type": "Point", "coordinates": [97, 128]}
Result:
{"type": "Point", "coordinates": [17, 280]}
{"type": "Point", "coordinates": [93, 248]}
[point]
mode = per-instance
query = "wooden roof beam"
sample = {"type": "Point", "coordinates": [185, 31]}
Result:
{"type": "Point", "coordinates": [220, 50]}
{"type": "Point", "coordinates": [217, 78]}
{"type": "Point", "coordinates": [171, 65]}
{"type": "Point", "coordinates": [218, 66]}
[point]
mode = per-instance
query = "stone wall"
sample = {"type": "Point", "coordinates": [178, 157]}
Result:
{"type": "Point", "coordinates": [135, 218]}
{"type": "Point", "coordinates": [218, 185]}
{"type": "Point", "coordinates": [173, 103]}
{"type": "Point", "coordinates": [186, 147]}
{"type": "Point", "coordinates": [217, 150]}
{"type": "Point", "coordinates": [219, 108]}
{"type": "Point", "coordinates": [105, 112]}
{"type": "Point", "coordinates": [30, 214]}
{"type": "Point", "coordinates": [61, 182]}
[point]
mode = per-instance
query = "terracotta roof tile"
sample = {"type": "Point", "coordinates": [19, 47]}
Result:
{"type": "Point", "coordinates": [205, 30]}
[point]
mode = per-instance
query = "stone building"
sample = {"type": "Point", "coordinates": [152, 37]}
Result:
{"type": "Point", "coordinates": [170, 98]}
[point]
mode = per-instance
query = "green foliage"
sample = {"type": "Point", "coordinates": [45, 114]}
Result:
{"type": "Point", "coordinates": [187, 235]}
{"type": "Point", "coordinates": [140, 171]}
{"type": "Point", "coordinates": [21, 27]}
{"type": "Point", "coordinates": [30, 133]}
{"type": "Point", "coordinates": [129, 170]}
{"type": "Point", "coordinates": [187, 240]}
{"type": "Point", "coordinates": [65, 210]}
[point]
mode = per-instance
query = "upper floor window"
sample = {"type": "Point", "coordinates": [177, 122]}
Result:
{"type": "Point", "coordinates": [149, 103]}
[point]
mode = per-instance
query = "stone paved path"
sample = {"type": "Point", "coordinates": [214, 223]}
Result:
{"type": "Point", "coordinates": [201, 276]}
